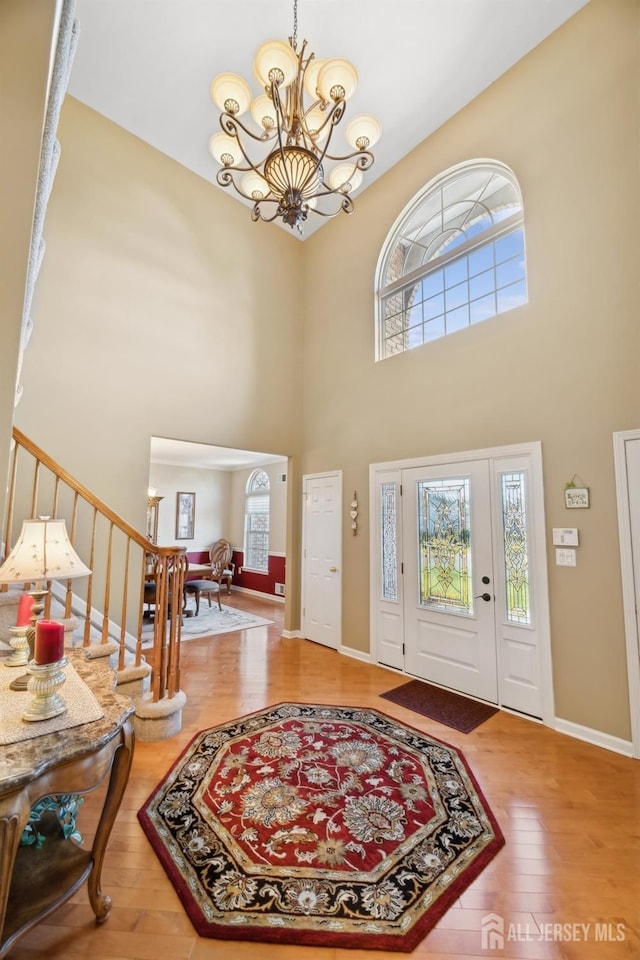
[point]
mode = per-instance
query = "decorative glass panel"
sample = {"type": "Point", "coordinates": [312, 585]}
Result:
{"type": "Point", "coordinates": [389, 528]}
{"type": "Point", "coordinates": [444, 538]}
{"type": "Point", "coordinates": [516, 561]}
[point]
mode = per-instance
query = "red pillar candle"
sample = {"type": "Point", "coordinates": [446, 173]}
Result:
{"type": "Point", "coordinates": [49, 645]}
{"type": "Point", "coordinates": [25, 603]}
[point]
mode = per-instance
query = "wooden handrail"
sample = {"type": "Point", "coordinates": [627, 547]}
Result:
{"type": "Point", "coordinates": [111, 545]}
{"type": "Point", "coordinates": [79, 488]}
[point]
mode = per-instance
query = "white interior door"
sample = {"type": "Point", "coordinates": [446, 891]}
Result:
{"type": "Point", "coordinates": [449, 600]}
{"type": "Point", "coordinates": [322, 559]}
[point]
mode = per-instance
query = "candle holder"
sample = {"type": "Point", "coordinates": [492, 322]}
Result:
{"type": "Point", "coordinates": [46, 679]}
{"type": "Point", "coordinates": [20, 646]}
{"type": "Point", "coordinates": [21, 683]}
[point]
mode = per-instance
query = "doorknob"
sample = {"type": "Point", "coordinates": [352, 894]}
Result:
{"type": "Point", "coordinates": [486, 579]}
{"type": "Point", "coordinates": [332, 569]}
{"type": "Point", "coordinates": [483, 596]}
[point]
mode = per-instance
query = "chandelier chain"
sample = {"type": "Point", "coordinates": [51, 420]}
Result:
{"type": "Point", "coordinates": [295, 24]}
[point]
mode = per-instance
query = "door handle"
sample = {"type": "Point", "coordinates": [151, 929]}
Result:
{"type": "Point", "coordinates": [332, 569]}
{"type": "Point", "coordinates": [483, 596]}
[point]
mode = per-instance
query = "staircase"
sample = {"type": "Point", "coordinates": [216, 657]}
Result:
{"type": "Point", "coordinates": [103, 612]}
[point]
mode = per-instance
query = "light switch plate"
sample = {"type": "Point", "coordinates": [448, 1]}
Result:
{"type": "Point", "coordinates": [565, 558]}
{"type": "Point", "coordinates": [565, 536]}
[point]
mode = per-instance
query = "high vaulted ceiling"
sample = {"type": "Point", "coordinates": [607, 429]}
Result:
{"type": "Point", "coordinates": [148, 64]}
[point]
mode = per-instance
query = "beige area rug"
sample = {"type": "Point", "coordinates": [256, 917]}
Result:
{"type": "Point", "coordinates": [210, 622]}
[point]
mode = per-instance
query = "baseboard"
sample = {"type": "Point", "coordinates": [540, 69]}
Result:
{"type": "Point", "coordinates": [255, 593]}
{"type": "Point", "coordinates": [292, 635]}
{"type": "Point", "coordinates": [355, 654]}
{"type": "Point", "coordinates": [596, 737]}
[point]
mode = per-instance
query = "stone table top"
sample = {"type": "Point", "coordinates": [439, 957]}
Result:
{"type": "Point", "coordinates": [24, 761]}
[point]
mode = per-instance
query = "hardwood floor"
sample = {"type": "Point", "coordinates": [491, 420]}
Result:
{"type": "Point", "coordinates": [570, 813]}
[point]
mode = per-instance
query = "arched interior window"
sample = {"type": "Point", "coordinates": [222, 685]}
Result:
{"type": "Point", "coordinates": [454, 257]}
{"type": "Point", "coordinates": [256, 522]}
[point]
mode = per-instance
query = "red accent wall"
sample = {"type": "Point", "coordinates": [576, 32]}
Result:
{"type": "Point", "coordinates": [196, 556]}
{"type": "Point", "coordinates": [262, 582]}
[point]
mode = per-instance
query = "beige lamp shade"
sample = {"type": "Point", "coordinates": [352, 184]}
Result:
{"type": "Point", "coordinates": [311, 77]}
{"type": "Point", "coordinates": [225, 149]}
{"type": "Point", "coordinates": [231, 93]}
{"type": "Point", "coordinates": [345, 177]}
{"type": "Point", "coordinates": [275, 60]}
{"type": "Point", "coordinates": [43, 551]}
{"type": "Point", "coordinates": [254, 186]}
{"type": "Point", "coordinates": [314, 121]}
{"type": "Point", "coordinates": [337, 80]}
{"type": "Point", "coordinates": [263, 112]}
{"type": "Point", "coordinates": [363, 131]}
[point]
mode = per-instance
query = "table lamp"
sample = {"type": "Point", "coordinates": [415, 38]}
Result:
{"type": "Point", "coordinates": [42, 552]}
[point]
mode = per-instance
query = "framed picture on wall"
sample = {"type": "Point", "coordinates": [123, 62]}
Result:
{"type": "Point", "coordinates": [185, 515]}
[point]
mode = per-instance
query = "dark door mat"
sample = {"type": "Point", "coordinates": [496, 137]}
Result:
{"type": "Point", "coordinates": [460, 713]}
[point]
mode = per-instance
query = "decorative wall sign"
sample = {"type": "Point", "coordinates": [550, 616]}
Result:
{"type": "Point", "coordinates": [576, 497]}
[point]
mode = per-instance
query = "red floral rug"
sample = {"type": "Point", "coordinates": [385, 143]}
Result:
{"type": "Point", "coordinates": [324, 825]}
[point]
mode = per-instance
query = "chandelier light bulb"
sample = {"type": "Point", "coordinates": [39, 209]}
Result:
{"type": "Point", "coordinates": [311, 77]}
{"type": "Point", "coordinates": [264, 112]}
{"type": "Point", "coordinates": [345, 178]}
{"type": "Point", "coordinates": [337, 80]}
{"type": "Point", "coordinates": [230, 93]}
{"type": "Point", "coordinates": [276, 62]}
{"type": "Point", "coordinates": [225, 149]}
{"type": "Point", "coordinates": [255, 186]}
{"type": "Point", "coordinates": [314, 121]}
{"type": "Point", "coordinates": [363, 132]}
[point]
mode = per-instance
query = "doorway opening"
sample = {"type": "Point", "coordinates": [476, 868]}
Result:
{"type": "Point", "coordinates": [198, 495]}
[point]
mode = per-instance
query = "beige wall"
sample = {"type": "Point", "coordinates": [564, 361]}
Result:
{"type": "Point", "coordinates": [163, 310]}
{"type": "Point", "coordinates": [220, 504]}
{"type": "Point", "coordinates": [562, 370]}
{"type": "Point", "coordinates": [212, 489]}
{"type": "Point", "coordinates": [26, 39]}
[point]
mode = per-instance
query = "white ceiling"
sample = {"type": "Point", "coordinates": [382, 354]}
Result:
{"type": "Point", "coordinates": [183, 453]}
{"type": "Point", "coordinates": [148, 64]}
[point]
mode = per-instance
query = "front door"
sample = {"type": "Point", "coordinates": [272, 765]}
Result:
{"type": "Point", "coordinates": [459, 580]}
{"type": "Point", "coordinates": [321, 559]}
{"type": "Point", "coordinates": [449, 601]}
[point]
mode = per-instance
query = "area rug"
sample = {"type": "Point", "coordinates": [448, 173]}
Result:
{"type": "Point", "coordinates": [319, 825]}
{"type": "Point", "coordinates": [209, 622]}
{"type": "Point", "coordinates": [455, 711]}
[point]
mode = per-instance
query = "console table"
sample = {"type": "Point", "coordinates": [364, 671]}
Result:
{"type": "Point", "coordinates": [33, 882]}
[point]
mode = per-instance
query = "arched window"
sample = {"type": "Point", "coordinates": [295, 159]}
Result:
{"type": "Point", "coordinates": [455, 256]}
{"type": "Point", "coordinates": [256, 522]}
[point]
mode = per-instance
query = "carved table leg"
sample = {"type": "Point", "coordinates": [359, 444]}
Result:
{"type": "Point", "coordinates": [100, 903]}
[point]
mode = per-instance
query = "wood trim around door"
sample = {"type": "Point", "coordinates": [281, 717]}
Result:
{"type": "Point", "coordinates": [629, 599]}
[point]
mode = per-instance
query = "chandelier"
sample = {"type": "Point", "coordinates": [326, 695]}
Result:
{"type": "Point", "coordinates": [284, 165]}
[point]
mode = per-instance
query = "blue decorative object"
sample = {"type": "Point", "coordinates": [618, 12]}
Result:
{"type": "Point", "coordinates": [65, 808]}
